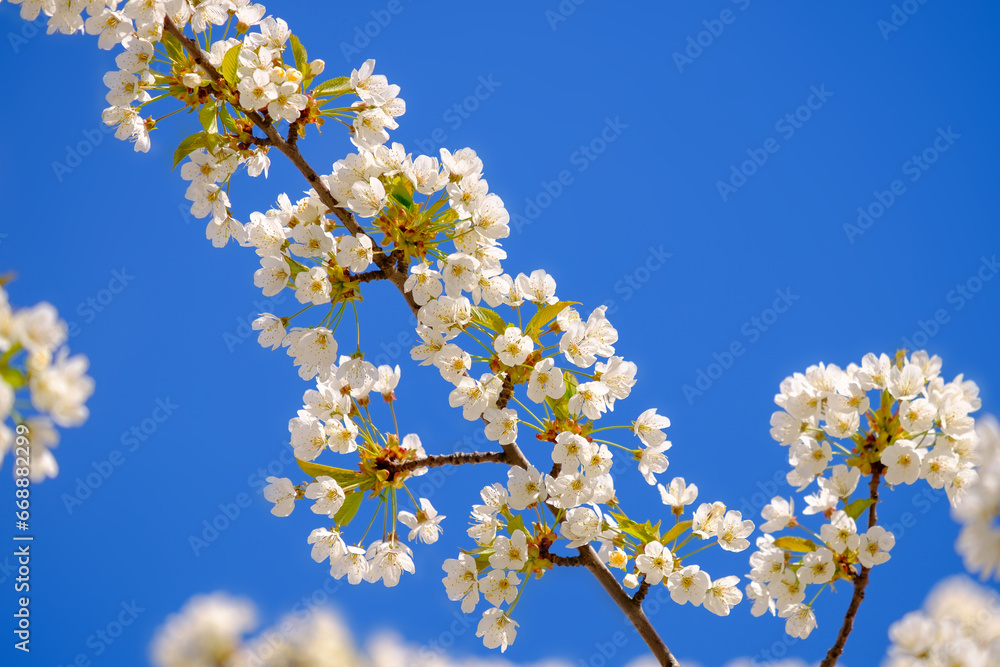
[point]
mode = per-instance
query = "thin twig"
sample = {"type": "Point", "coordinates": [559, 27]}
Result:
{"type": "Point", "coordinates": [860, 583]}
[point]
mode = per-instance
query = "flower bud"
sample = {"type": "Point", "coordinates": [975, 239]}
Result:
{"type": "Point", "coordinates": [631, 581]}
{"type": "Point", "coordinates": [191, 80]}
{"type": "Point", "coordinates": [316, 67]}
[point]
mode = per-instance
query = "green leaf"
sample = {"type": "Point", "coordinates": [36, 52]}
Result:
{"type": "Point", "coordinates": [488, 319]}
{"type": "Point", "coordinates": [207, 117]}
{"type": "Point", "coordinates": [334, 87]}
{"type": "Point", "coordinates": [190, 145]}
{"type": "Point", "coordinates": [544, 315]}
{"type": "Point", "coordinates": [855, 509]}
{"type": "Point", "coordinates": [299, 51]}
{"type": "Point", "coordinates": [173, 46]}
{"type": "Point", "coordinates": [13, 377]}
{"type": "Point", "coordinates": [230, 62]}
{"type": "Point", "coordinates": [676, 531]}
{"type": "Point", "coordinates": [801, 544]}
{"type": "Point", "coordinates": [340, 475]}
{"type": "Point", "coordinates": [348, 509]}
{"type": "Point", "coordinates": [227, 119]}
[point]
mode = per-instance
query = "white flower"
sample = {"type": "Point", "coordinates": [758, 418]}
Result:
{"type": "Point", "coordinates": [328, 495]}
{"type": "Point", "coordinates": [801, 619]}
{"type": "Point", "coordinates": [526, 487]}
{"type": "Point", "coordinates": [590, 400]}
{"type": "Point", "coordinates": [778, 513]}
{"type": "Point", "coordinates": [281, 492]}
{"type": "Point", "coordinates": [461, 582]}
{"type": "Point", "coordinates": [424, 283]}
{"type": "Point", "coordinates": [355, 252]}
{"type": "Point", "coordinates": [656, 562]}
{"type": "Point", "coordinates": [706, 519]}
{"type": "Point", "coordinates": [502, 426]}
{"type": "Point", "coordinates": [652, 461]}
{"type": "Point", "coordinates": [510, 554]}
{"type": "Point", "coordinates": [272, 276]}
{"type": "Point", "coordinates": [353, 564]}
{"type": "Point", "coordinates": [581, 526]}
{"type": "Point", "coordinates": [539, 288]}
{"type": "Point", "coordinates": [512, 348]}
{"type": "Point", "coordinates": [841, 533]}
{"type": "Point", "coordinates": [875, 546]}
{"type": "Point", "coordinates": [341, 435]}
{"type": "Point", "coordinates": [327, 544]}
{"type": "Point", "coordinates": [308, 436]}
{"type": "Point", "coordinates": [313, 286]}
{"type": "Point", "coordinates": [453, 362]}
{"type": "Point", "coordinates": [649, 427]}
{"type": "Point", "coordinates": [425, 524]}
{"type": "Point", "coordinates": [906, 384]}
{"type": "Point", "coordinates": [366, 198]}
{"type": "Point", "coordinates": [546, 381]}
{"type": "Point", "coordinates": [733, 531]}
{"type": "Point", "coordinates": [497, 629]}
{"type": "Point", "coordinates": [388, 561]}
{"type": "Point", "coordinates": [314, 350]}
{"type": "Point", "coordinates": [498, 587]}
{"type": "Point", "coordinates": [689, 584]}
{"type": "Point", "coordinates": [902, 461]}
{"type": "Point", "coordinates": [723, 595]}
{"type": "Point", "coordinates": [817, 567]}
{"type": "Point", "coordinates": [678, 494]}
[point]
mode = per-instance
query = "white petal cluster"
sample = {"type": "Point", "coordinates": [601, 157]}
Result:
{"type": "Point", "coordinates": [959, 625]}
{"type": "Point", "coordinates": [37, 370]}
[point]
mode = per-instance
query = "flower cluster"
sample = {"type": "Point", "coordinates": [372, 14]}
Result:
{"type": "Point", "coordinates": [337, 417]}
{"type": "Point", "coordinates": [895, 420]}
{"type": "Point", "coordinates": [959, 625]}
{"type": "Point", "coordinates": [54, 386]}
{"type": "Point", "coordinates": [979, 540]}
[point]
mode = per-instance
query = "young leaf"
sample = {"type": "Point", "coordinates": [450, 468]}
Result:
{"type": "Point", "coordinates": [333, 88]}
{"type": "Point", "coordinates": [545, 315]}
{"type": "Point", "coordinates": [488, 319]}
{"type": "Point", "coordinates": [207, 117]}
{"type": "Point", "coordinates": [855, 509]}
{"type": "Point", "coordinates": [190, 145]}
{"type": "Point", "coordinates": [795, 544]}
{"type": "Point", "coordinates": [339, 475]}
{"type": "Point", "coordinates": [675, 532]}
{"type": "Point", "coordinates": [230, 62]}
{"type": "Point", "coordinates": [350, 507]}
{"type": "Point", "coordinates": [175, 50]}
{"type": "Point", "coordinates": [299, 51]}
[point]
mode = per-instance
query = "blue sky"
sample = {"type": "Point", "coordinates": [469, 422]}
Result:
{"type": "Point", "coordinates": [694, 191]}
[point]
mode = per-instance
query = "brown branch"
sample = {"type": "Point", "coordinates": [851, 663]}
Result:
{"type": "Point", "coordinates": [456, 459]}
{"type": "Point", "coordinates": [640, 594]}
{"type": "Point", "coordinates": [565, 561]}
{"type": "Point", "coordinates": [860, 583]}
{"type": "Point", "coordinates": [368, 276]}
{"type": "Point", "coordinates": [512, 453]}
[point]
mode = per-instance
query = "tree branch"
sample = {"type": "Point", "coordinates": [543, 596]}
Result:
{"type": "Point", "coordinates": [512, 454]}
{"type": "Point", "coordinates": [860, 583]}
{"type": "Point", "coordinates": [456, 459]}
